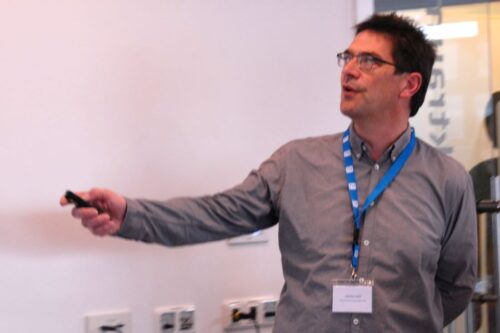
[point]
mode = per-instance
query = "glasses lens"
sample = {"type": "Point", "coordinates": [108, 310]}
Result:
{"type": "Point", "coordinates": [343, 58]}
{"type": "Point", "coordinates": [365, 61]}
{"type": "Point", "coordinates": [340, 59]}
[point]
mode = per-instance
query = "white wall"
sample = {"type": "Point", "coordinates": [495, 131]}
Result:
{"type": "Point", "coordinates": [152, 99]}
{"type": "Point", "coordinates": [364, 9]}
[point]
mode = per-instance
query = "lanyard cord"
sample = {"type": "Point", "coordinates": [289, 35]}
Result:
{"type": "Point", "coordinates": [384, 183]}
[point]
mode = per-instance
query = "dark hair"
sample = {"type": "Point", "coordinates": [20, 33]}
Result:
{"type": "Point", "coordinates": [411, 50]}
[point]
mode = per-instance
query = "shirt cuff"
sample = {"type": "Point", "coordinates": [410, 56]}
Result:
{"type": "Point", "coordinates": [132, 222]}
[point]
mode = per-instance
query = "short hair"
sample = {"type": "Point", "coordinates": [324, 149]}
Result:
{"type": "Point", "coordinates": [411, 50]}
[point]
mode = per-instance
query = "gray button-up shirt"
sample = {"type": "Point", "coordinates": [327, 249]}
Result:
{"type": "Point", "coordinates": [418, 240]}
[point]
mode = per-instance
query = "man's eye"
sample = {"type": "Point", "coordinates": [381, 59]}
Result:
{"type": "Point", "coordinates": [367, 59]}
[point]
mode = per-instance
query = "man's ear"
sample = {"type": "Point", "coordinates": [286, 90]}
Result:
{"type": "Point", "coordinates": [411, 84]}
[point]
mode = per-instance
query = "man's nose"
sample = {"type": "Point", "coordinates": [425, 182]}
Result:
{"type": "Point", "coordinates": [351, 68]}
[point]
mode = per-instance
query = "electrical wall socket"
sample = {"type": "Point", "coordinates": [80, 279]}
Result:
{"type": "Point", "coordinates": [166, 321]}
{"type": "Point", "coordinates": [186, 320]}
{"type": "Point", "coordinates": [119, 321]}
{"type": "Point", "coordinates": [240, 314]}
{"type": "Point", "coordinates": [249, 313]}
{"type": "Point", "coordinates": [175, 319]}
{"type": "Point", "coordinates": [267, 311]}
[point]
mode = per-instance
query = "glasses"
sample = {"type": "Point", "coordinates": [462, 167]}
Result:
{"type": "Point", "coordinates": [365, 61]}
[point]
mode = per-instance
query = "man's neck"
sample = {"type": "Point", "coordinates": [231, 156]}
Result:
{"type": "Point", "coordinates": [377, 137]}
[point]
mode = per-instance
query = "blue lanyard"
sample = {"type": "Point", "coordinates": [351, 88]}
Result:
{"type": "Point", "coordinates": [377, 191]}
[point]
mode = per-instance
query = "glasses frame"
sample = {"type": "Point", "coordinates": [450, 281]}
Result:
{"type": "Point", "coordinates": [365, 61]}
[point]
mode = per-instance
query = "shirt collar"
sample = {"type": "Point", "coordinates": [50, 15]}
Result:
{"type": "Point", "coordinates": [358, 147]}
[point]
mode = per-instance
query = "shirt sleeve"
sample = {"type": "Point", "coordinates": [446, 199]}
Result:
{"type": "Point", "coordinates": [246, 208]}
{"type": "Point", "coordinates": [457, 265]}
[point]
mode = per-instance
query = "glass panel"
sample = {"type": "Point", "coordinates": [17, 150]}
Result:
{"type": "Point", "coordinates": [457, 117]}
{"type": "Point", "coordinates": [452, 118]}
{"type": "Point", "coordinates": [494, 42]}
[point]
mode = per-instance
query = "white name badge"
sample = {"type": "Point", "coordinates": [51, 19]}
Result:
{"type": "Point", "coordinates": [352, 296]}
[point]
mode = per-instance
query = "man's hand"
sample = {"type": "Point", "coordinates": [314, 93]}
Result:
{"type": "Point", "coordinates": [113, 208]}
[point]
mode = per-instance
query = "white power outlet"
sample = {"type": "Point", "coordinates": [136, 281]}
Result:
{"type": "Point", "coordinates": [166, 320]}
{"type": "Point", "coordinates": [175, 319]}
{"type": "Point", "coordinates": [186, 320]}
{"type": "Point", "coordinates": [267, 311]}
{"type": "Point", "coordinates": [109, 322]}
{"type": "Point", "coordinates": [249, 313]}
{"type": "Point", "coordinates": [240, 314]}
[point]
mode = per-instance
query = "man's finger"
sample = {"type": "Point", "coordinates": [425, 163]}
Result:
{"type": "Point", "coordinates": [84, 213]}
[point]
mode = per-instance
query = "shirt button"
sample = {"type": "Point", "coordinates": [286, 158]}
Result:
{"type": "Point", "coordinates": [366, 242]}
{"type": "Point", "coordinates": [355, 321]}
{"type": "Point", "coordinates": [376, 166]}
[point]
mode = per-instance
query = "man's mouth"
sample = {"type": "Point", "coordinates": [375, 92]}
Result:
{"type": "Point", "coordinates": [349, 89]}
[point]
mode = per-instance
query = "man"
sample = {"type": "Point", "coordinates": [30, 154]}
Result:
{"type": "Point", "coordinates": [374, 216]}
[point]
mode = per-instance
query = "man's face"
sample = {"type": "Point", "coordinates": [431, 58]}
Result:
{"type": "Point", "coordinates": [374, 93]}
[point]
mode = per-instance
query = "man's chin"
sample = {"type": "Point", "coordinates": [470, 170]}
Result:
{"type": "Point", "coordinates": [346, 111]}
